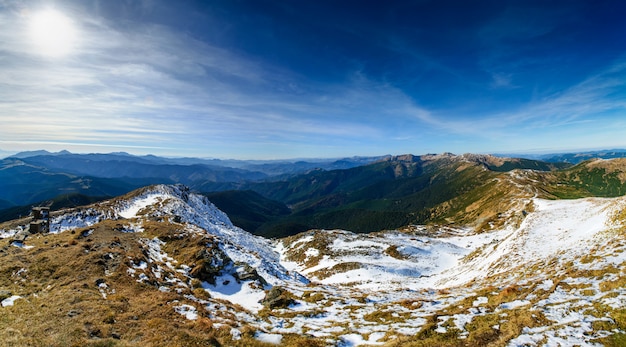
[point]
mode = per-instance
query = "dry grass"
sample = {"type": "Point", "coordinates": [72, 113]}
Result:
{"type": "Point", "coordinates": [321, 242]}
{"type": "Point", "coordinates": [606, 286]}
{"type": "Point", "coordinates": [487, 330]}
{"type": "Point", "coordinates": [393, 252]}
{"type": "Point", "coordinates": [386, 316]}
{"type": "Point", "coordinates": [411, 304]}
{"type": "Point", "coordinates": [313, 297]}
{"type": "Point", "coordinates": [62, 304]}
{"type": "Point", "coordinates": [337, 268]}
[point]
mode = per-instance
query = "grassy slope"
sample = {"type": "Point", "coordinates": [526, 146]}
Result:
{"type": "Point", "coordinates": [63, 305]}
{"type": "Point", "coordinates": [384, 195]}
{"type": "Point", "coordinates": [61, 297]}
{"type": "Point", "coordinates": [590, 178]}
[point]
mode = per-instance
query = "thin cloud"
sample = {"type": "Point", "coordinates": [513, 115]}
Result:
{"type": "Point", "coordinates": [581, 103]}
{"type": "Point", "coordinates": [154, 82]}
{"type": "Point", "coordinates": [502, 81]}
{"type": "Point", "coordinates": [587, 100]}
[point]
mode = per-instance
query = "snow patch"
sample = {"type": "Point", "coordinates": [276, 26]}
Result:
{"type": "Point", "coordinates": [275, 339]}
{"type": "Point", "coordinates": [20, 244]}
{"type": "Point", "coordinates": [137, 205]}
{"type": "Point", "coordinates": [243, 293]}
{"type": "Point", "coordinates": [188, 311]}
{"type": "Point", "coordinates": [10, 301]}
{"type": "Point", "coordinates": [514, 304]}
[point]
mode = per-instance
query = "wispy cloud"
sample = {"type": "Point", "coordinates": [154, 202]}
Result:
{"type": "Point", "coordinates": [153, 85]}
{"type": "Point", "coordinates": [586, 102]}
{"type": "Point", "coordinates": [502, 80]}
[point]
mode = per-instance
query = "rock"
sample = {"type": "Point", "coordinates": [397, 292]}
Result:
{"type": "Point", "coordinates": [278, 297]}
{"type": "Point", "coordinates": [4, 294]}
{"type": "Point", "coordinates": [246, 272]}
{"type": "Point", "coordinates": [211, 262]}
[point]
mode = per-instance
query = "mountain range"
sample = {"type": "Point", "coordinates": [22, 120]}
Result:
{"type": "Point", "coordinates": [31, 177]}
{"type": "Point", "coordinates": [371, 194]}
{"type": "Point", "coordinates": [573, 157]}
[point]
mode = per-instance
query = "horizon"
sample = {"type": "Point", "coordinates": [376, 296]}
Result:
{"type": "Point", "coordinates": [526, 155]}
{"type": "Point", "coordinates": [267, 80]}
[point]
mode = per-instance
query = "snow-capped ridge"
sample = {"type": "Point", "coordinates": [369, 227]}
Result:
{"type": "Point", "coordinates": [178, 200]}
{"type": "Point", "coordinates": [178, 203]}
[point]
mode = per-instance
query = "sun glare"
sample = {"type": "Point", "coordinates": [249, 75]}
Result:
{"type": "Point", "coordinates": [52, 33]}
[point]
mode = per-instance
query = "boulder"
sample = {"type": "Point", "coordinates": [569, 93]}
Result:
{"type": "Point", "coordinates": [278, 297]}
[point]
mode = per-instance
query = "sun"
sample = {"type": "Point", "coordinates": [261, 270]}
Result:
{"type": "Point", "coordinates": [52, 33]}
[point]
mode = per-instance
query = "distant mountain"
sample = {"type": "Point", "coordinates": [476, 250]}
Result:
{"type": "Point", "coordinates": [5, 154]}
{"type": "Point", "coordinates": [503, 164]}
{"type": "Point", "coordinates": [390, 193]}
{"type": "Point", "coordinates": [430, 189]}
{"type": "Point", "coordinates": [571, 157]}
{"type": "Point", "coordinates": [5, 204]}
{"type": "Point", "coordinates": [575, 158]}
{"type": "Point", "coordinates": [22, 183]}
{"type": "Point", "coordinates": [282, 168]}
{"type": "Point", "coordinates": [33, 176]}
{"type": "Point", "coordinates": [28, 154]}
{"type": "Point", "coordinates": [117, 166]}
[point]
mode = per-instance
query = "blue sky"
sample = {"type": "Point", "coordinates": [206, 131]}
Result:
{"type": "Point", "coordinates": [284, 79]}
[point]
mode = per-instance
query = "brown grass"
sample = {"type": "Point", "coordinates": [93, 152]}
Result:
{"type": "Point", "coordinates": [606, 286]}
{"type": "Point", "coordinates": [338, 268]}
{"type": "Point", "coordinates": [393, 252]}
{"type": "Point", "coordinates": [62, 304]}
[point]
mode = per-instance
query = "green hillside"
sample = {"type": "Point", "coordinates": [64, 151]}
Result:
{"type": "Point", "coordinates": [392, 193]}
{"type": "Point", "coordinates": [247, 209]}
{"type": "Point", "coordinates": [602, 178]}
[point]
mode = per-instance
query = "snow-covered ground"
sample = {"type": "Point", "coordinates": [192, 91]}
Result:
{"type": "Point", "coordinates": [386, 261]}
{"type": "Point", "coordinates": [549, 239]}
{"type": "Point", "coordinates": [568, 227]}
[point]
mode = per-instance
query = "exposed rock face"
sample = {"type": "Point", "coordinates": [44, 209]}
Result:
{"type": "Point", "coordinates": [246, 272]}
{"type": "Point", "coordinates": [211, 261]}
